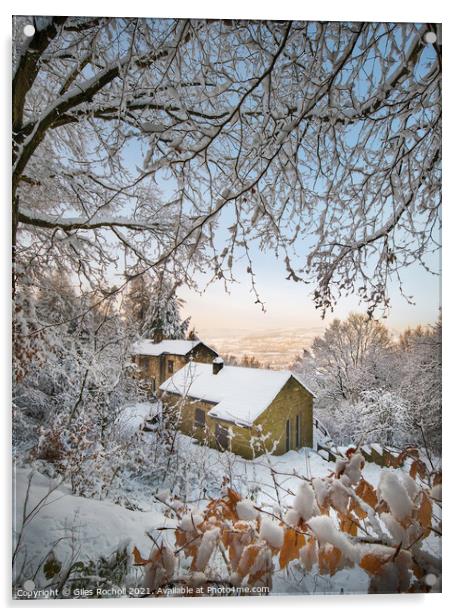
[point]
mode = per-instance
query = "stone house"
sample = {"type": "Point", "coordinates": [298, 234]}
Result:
{"type": "Point", "coordinates": [157, 361]}
{"type": "Point", "coordinates": [230, 407]}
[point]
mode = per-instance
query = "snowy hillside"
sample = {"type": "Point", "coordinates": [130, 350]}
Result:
{"type": "Point", "coordinates": [64, 529]}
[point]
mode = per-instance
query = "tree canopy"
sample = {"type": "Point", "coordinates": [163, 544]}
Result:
{"type": "Point", "coordinates": [189, 143]}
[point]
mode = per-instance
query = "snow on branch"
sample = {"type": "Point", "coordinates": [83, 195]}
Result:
{"type": "Point", "coordinates": [319, 143]}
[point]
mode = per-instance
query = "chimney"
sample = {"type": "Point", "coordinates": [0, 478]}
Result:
{"type": "Point", "coordinates": [218, 363]}
{"type": "Point", "coordinates": [157, 336]}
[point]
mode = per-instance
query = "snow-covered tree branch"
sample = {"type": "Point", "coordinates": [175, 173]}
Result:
{"type": "Point", "coordinates": [258, 129]}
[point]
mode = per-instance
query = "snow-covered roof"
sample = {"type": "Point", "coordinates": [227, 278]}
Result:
{"type": "Point", "coordinates": [240, 394]}
{"type": "Point", "coordinates": [172, 347]}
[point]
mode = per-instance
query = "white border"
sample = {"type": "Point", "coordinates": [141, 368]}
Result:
{"type": "Point", "coordinates": [389, 10]}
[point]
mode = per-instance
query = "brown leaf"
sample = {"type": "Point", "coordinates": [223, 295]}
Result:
{"type": "Point", "coordinates": [233, 496]}
{"type": "Point", "coordinates": [234, 555]}
{"type": "Point", "coordinates": [366, 492]}
{"type": "Point", "coordinates": [188, 540]}
{"type": "Point", "coordinates": [348, 524]}
{"type": "Point", "coordinates": [139, 561]}
{"type": "Point", "coordinates": [425, 513]}
{"type": "Point", "coordinates": [236, 539]}
{"type": "Point", "coordinates": [418, 468]}
{"type": "Point", "coordinates": [230, 509]}
{"type": "Point", "coordinates": [223, 508]}
{"type": "Point", "coordinates": [181, 537]}
{"type": "Point", "coordinates": [227, 537]}
{"type": "Point", "coordinates": [329, 560]}
{"type": "Point", "coordinates": [408, 452]}
{"type": "Point", "coordinates": [391, 460]}
{"type": "Point", "coordinates": [357, 509]}
{"type": "Point", "coordinates": [292, 543]}
{"type": "Point", "coordinates": [263, 574]}
{"type": "Point", "coordinates": [373, 562]}
{"type": "Point", "coordinates": [247, 559]}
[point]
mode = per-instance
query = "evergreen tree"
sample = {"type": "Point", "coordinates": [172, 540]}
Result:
{"type": "Point", "coordinates": [153, 308]}
{"type": "Point", "coordinates": [193, 334]}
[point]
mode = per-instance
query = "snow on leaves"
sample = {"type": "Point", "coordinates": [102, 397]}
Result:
{"type": "Point", "coordinates": [334, 522]}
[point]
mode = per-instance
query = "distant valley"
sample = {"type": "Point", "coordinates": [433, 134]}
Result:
{"type": "Point", "coordinates": [277, 347]}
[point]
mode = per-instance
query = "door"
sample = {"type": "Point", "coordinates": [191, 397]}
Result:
{"type": "Point", "coordinates": [222, 437]}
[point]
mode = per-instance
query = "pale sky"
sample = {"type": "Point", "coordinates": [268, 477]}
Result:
{"type": "Point", "coordinates": [289, 304]}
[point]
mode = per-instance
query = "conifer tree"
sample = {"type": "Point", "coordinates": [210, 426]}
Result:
{"type": "Point", "coordinates": [154, 308]}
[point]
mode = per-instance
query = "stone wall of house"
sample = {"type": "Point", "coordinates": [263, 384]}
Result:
{"type": "Point", "coordinates": [151, 369]}
{"type": "Point", "coordinates": [202, 354]}
{"type": "Point", "coordinates": [159, 369]}
{"type": "Point", "coordinates": [239, 443]}
{"type": "Point", "coordinates": [292, 400]}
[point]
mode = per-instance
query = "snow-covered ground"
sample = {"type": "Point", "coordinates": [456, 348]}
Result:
{"type": "Point", "coordinates": [77, 528]}
{"type": "Point", "coordinates": [72, 527]}
{"type": "Point", "coordinates": [134, 416]}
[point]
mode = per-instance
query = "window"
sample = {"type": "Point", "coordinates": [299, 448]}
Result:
{"type": "Point", "coordinates": [170, 366]}
{"type": "Point", "coordinates": [144, 363]}
{"type": "Point", "coordinates": [298, 431]}
{"type": "Point", "coordinates": [288, 435]}
{"type": "Point", "coordinates": [199, 418]}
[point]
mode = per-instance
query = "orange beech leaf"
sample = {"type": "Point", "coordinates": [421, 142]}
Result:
{"type": "Point", "coordinates": [391, 460]}
{"type": "Point", "coordinates": [235, 539]}
{"type": "Point", "coordinates": [357, 509]}
{"type": "Point", "coordinates": [188, 541]}
{"type": "Point", "coordinates": [329, 560]}
{"type": "Point", "coordinates": [213, 509]}
{"type": "Point", "coordinates": [227, 536]}
{"type": "Point", "coordinates": [425, 513]}
{"type": "Point", "coordinates": [247, 559]}
{"type": "Point", "coordinates": [139, 561]}
{"type": "Point", "coordinates": [437, 479]}
{"type": "Point", "coordinates": [366, 492]}
{"type": "Point", "coordinates": [418, 468]}
{"type": "Point", "coordinates": [408, 452]}
{"type": "Point", "coordinates": [372, 562]}
{"type": "Point", "coordinates": [233, 496]}
{"type": "Point", "coordinates": [262, 574]}
{"type": "Point", "coordinates": [181, 537]}
{"type": "Point", "coordinates": [230, 513]}
{"type": "Point", "coordinates": [348, 524]}
{"type": "Point", "coordinates": [259, 576]}
{"type": "Point", "coordinates": [230, 541]}
{"type": "Point", "coordinates": [223, 508]}
{"type": "Point", "coordinates": [230, 507]}
{"type": "Point", "coordinates": [292, 543]}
